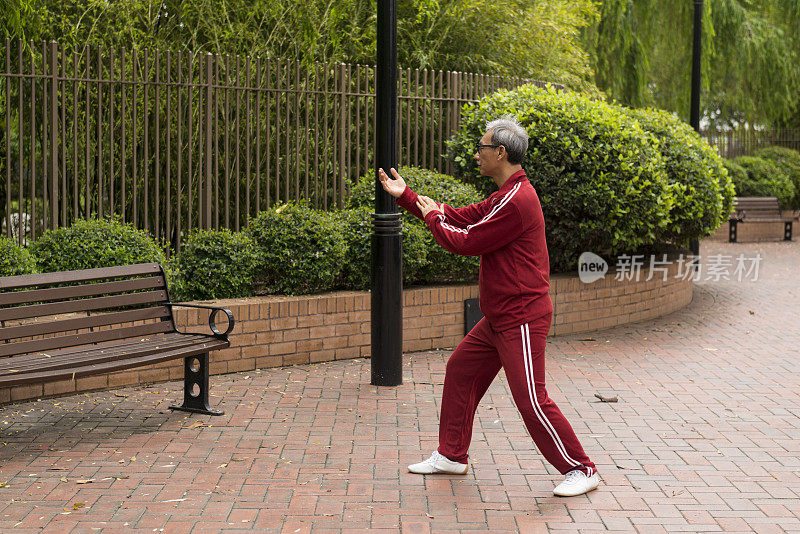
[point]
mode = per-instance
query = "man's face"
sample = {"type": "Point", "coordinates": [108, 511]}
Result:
{"type": "Point", "coordinates": [487, 157]}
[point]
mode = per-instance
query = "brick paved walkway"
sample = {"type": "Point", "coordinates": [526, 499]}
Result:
{"type": "Point", "coordinates": [705, 437]}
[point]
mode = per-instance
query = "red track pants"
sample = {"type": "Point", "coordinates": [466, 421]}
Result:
{"type": "Point", "coordinates": [471, 369]}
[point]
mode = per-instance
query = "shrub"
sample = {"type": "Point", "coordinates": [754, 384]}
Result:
{"type": "Point", "coordinates": [696, 174]}
{"type": "Point", "coordinates": [95, 243]}
{"type": "Point", "coordinates": [14, 259]}
{"type": "Point", "coordinates": [788, 161]}
{"type": "Point", "coordinates": [736, 173]}
{"type": "Point", "coordinates": [214, 265]}
{"type": "Point", "coordinates": [600, 177]}
{"type": "Point", "coordinates": [299, 250]}
{"type": "Point", "coordinates": [356, 225]}
{"type": "Point", "coordinates": [439, 265]}
{"type": "Point", "coordinates": [764, 179]}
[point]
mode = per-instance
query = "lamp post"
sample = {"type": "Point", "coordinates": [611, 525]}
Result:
{"type": "Point", "coordinates": [694, 113]}
{"type": "Point", "coordinates": [387, 279]}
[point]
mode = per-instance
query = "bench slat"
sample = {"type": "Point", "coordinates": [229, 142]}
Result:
{"type": "Point", "coordinates": [38, 345]}
{"type": "Point", "coordinates": [80, 323]}
{"type": "Point", "coordinates": [70, 306]}
{"type": "Point", "coordinates": [98, 354]}
{"type": "Point", "coordinates": [84, 275]}
{"type": "Point", "coordinates": [85, 290]}
{"type": "Point", "coordinates": [107, 367]}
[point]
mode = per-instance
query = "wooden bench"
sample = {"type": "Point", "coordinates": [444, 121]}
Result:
{"type": "Point", "coordinates": [72, 324]}
{"type": "Point", "coordinates": [758, 209]}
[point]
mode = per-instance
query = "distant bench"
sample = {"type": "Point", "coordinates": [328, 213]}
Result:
{"type": "Point", "coordinates": [758, 209]}
{"type": "Point", "coordinates": [72, 324]}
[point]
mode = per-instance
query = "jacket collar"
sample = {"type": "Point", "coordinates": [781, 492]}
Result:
{"type": "Point", "coordinates": [513, 179]}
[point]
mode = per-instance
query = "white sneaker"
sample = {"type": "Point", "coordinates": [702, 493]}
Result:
{"type": "Point", "coordinates": [577, 483]}
{"type": "Point", "coordinates": [438, 464]}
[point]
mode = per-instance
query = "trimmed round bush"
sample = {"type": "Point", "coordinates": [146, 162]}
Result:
{"type": "Point", "coordinates": [14, 259]}
{"type": "Point", "coordinates": [439, 265]}
{"type": "Point", "coordinates": [94, 243]}
{"type": "Point", "coordinates": [214, 265]}
{"type": "Point", "coordinates": [736, 173]}
{"type": "Point", "coordinates": [599, 175]}
{"type": "Point", "coordinates": [356, 225]}
{"type": "Point", "coordinates": [764, 179]}
{"type": "Point", "coordinates": [702, 188]}
{"type": "Point", "coordinates": [788, 161]}
{"type": "Point", "coordinates": [299, 250]}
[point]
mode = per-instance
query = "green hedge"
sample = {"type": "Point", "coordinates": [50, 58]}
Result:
{"type": "Point", "coordinates": [213, 265]}
{"type": "Point", "coordinates": [356, 226]}
{"type": "Point", "coordinates": [702, 188]}
{"type": "Point", "coordinates": [788, 161]}
{"type": "Point", "coordinates": [298, 249]}
{"type": "Point", "coordinates": [600, 176]}
{"type": "Point", "coordinates": [14, 259]}
{"type": "Point", "coordinates": [764, 179]}
{"type": "Point", "coordinates": [439, 265]}
{"type": "Point", "coordinates": [95, 243]}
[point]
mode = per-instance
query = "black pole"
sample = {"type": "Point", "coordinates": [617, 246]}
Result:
{"type": "Point", "coordinates": [694, 113]}
{"type": "Point", "coordinates": [387, 279]}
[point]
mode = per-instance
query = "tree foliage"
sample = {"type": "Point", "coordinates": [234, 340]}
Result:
{"type": "Point", "coordinates": [642, 52]}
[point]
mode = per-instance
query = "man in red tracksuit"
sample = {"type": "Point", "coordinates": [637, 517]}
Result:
{"type": "Point", "coordinates": [507, 231]}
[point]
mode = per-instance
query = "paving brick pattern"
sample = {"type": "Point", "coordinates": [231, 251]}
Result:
{"type": "Point", "coordinates": [705, 438]}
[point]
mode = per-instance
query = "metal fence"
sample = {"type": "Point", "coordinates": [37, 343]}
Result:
{"type": "Point", "coordinates": [174, 141]}
{"type": "Point", "coordinates": [744, 142]}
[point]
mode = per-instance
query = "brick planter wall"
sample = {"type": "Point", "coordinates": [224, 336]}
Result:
{"type": "Point", "coordinates": [274, 331]}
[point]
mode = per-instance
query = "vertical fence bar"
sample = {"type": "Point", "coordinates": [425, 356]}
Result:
{"type": "Point", "coordinates": [215, 59]}
{"type": "Point", "coordinates": [227, 141]}
{"type": "Point", "coordinates": [99, 133]}
{"type": "Point", "coordinates": [179, 154]}
{"type": "Point", "coordinates": [191, 80]}
{"type": "Point", "coordinates": [21, 149]}
{"type": "Point", "coordinates": [146, 121]}
{"type": "Point", "coordinates": [63, 144]}
{"type": "Point", "coordinates": [135, 139]}
{"type": "Point", "coordinates": [287, 177]}
{"type": "Point", "coordinates": [296, 151]}
{"type": "Point", "coordinates": [316, 135]}
{"type": "Point", "coordinates": [306, 136]}
{"type": "Point", "coordinates": [8, 137]}
{"type": "Point", "coordinates": [32, 176]}
{"type": "Point", "coordinates": [123, 153]}
{"type": "Point", "coordinates": [268, 185]}
{"type": "Point", "coordinates": [157, 87]}
{"type": "Point", "coordinates": [325, 140]}
{"type": "Point", "coordinates": [207, 179]}
{"type": "Point", "coordinates": [168, 185]}
{"type": "Point", "coordinates": [248, 136]}
{"type": "Point", "coordinates": [236, 164]}
{"type": "Point", "coordinates": [277, 135]}
{"type": "Point", "coordinates": [53, 137]}
{"type": "Point", "coordinates": [340, 177]}
{"type": "Point", "coordinates": [258, 135]}
{"type": "Point", "coordinates": [111, 136]}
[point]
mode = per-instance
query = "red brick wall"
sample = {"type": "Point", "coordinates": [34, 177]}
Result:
{"type": "Point", "coordinates": [274, 331]}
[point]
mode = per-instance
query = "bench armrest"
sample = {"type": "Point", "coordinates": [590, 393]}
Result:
{"type": "Point", "coordinates": [211, 318]}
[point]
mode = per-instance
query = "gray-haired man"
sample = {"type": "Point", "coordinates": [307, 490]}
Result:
{"type": "Point", "coordinates": [507, 231]}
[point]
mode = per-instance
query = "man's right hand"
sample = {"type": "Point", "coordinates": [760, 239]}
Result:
{"type": "Point", "coordinates": [393, 187]}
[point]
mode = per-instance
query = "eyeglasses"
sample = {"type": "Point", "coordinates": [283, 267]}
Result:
{"type": "Point", "coordinates": [479, 146]}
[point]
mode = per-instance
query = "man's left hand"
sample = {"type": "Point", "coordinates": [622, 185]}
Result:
{"type": "Point", "coordinates": [427, 205]}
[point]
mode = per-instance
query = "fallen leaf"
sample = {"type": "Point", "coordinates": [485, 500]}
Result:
{"type": "Point", "coordinates": [120, 395]}
{"type": "Point", "coordinates": [87, 481]}
{"type": "Point", "coordinates": [78, 505]}
{"type": "Point", "coordinates": [606, 399]}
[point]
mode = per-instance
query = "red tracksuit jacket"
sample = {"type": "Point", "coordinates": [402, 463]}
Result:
{"type": "Point", "coordinates": [507, 231]}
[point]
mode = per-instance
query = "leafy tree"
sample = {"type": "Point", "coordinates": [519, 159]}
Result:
{"type": "Point", "coordinates": [642, 51]}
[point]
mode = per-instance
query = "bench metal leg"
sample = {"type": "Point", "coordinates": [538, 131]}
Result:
{"type": "Point", "coordinates": [195, 386]}
{"type": "Point", "coordinates": [787, 231]}
{"type": "Point", "coordinates": [732, 230]}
